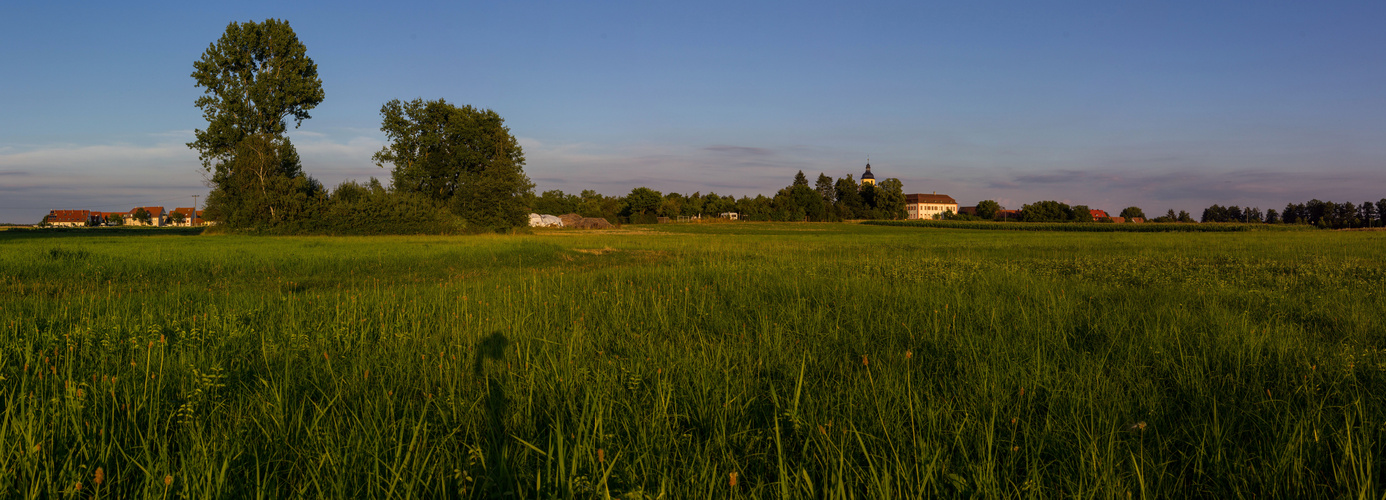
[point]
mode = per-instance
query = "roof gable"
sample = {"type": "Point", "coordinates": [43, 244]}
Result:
{"type": "Point", "coordinates": [941, 199]}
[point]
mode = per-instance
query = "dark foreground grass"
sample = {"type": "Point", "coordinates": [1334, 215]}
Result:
{"type": "Point", "coordinates": [755, 360]}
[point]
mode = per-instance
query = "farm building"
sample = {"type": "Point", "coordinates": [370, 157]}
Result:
{"type": "Point", "coordinates": [927, 206]}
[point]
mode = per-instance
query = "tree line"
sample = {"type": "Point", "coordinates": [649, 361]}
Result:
{"type": "Point", "coordinates": [827, 200]}
{"type": "Point", "coordinates": [1323, 214]}
{"type": "Point", "coordinates": [1052, 211]}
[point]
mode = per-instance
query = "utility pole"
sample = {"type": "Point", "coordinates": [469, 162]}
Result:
{"type": "Point", "coordinates": [193, 220]}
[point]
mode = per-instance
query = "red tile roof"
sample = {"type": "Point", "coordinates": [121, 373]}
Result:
{"type": "Point", "coordinates": [153, 211]}
{"type": "Point", "coordinates": [68, 215]}
{"type": "Point", "coordinates": [941, 199]}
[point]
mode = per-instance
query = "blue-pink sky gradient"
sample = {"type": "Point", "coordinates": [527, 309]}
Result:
{"type": "Point", "coordinates": [1109, 104]}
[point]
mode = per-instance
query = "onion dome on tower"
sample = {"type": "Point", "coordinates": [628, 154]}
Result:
{"type": "Point", "coordinates": [866, 177]}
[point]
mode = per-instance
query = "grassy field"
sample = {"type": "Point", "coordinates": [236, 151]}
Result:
{"type": "Point", "coordinates": [694, 361]}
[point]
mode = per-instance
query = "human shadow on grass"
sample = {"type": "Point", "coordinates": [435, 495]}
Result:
{"type": "Point", "coordinates": [492, 347]}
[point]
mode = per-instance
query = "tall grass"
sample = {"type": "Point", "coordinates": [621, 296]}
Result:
{"type": "Point", "coordinates": [752, 360]}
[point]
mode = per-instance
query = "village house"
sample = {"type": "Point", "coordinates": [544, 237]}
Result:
{"type": "Point", "coordinates": [185, 216]}
{"type": "Point", "coordinates": [928, 206]}
{"type": "Point", "coordinates": [107, 218]}
{"type": "Point", "coordinates": [1098, 215]}
{"type": "Point", "coordinates": [156, 217]}
{"type": "Point", "coordinates": [72, 218]}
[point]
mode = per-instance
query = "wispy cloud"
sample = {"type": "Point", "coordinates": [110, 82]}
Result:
{"type": "Point", "coordinates": [740, 150]}
{"type": "Point", "coordinates": [1061, 176]}
{"type": "Point", "coordinates": [728, 169]}
{"type": "Point", "coordinates": [332, 162]}
{"type": "Point", "coordinates": [181, 135]}
{"type": "Point", "coordinates": [122, 175]}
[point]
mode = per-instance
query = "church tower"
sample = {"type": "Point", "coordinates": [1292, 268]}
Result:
{"type": "Point", "coordinates": [866, 177]}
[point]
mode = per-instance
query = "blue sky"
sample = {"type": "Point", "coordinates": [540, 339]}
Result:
{"type": "Point", "coordinates": [1159, 105]}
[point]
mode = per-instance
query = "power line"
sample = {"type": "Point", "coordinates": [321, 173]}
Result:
{"type": "Point", "coordinates": [159, 202]}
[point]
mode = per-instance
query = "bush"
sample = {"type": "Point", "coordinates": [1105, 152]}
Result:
{"type": "Point", "coordinates": [363, 210]}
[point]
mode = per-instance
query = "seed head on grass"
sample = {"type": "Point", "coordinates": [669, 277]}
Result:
{"type": "Point", "coordinates": [601, 456]}
{"type": "Point", "coordinates": [731, 480]}
{"type": "Point", "coordinates": [99, 477]}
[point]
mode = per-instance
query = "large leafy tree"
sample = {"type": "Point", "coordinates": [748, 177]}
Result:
{"type": "Point", "coordinates": [642, 204]}
{"type": "Point", "coordinates": [460, 156]}
{"type": "Point", "coordinates": [849, 203]}
{"type": "Point", "coordinates": [987, 209]}
{"type": "Point", "coordinates": [890, 199]}
{"type": "Point", "coordinates": [1082, 213]}
{"type": "Point", "coordinates": [256, 77]}
{"type": "Point", "coordinates": [261, 184]}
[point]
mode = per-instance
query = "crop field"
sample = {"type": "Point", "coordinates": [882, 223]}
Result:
{"type": "Point", "coordinates": [751, 360]}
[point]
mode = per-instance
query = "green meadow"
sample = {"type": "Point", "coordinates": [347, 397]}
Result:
{"type": "Point", "coordinates": [753, 360]}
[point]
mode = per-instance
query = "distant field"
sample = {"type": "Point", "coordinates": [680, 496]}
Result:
{"type": "Point", "coordinates": [1093, 227]}
{"type": "Point", "coordinates": [748, 359]}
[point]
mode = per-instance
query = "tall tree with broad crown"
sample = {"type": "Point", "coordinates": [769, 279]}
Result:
{"type": "Point", "coordinates": [255, 77]}
{"type": "Point", "coordinates": [890, 199]}
{"type": "Point", "coordinates": [460, 156]}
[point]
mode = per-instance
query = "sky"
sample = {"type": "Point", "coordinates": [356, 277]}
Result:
{"type": "Point", "coordinates": [1160, 105]}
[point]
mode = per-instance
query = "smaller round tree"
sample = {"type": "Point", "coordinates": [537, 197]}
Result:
{"type": "Point", "coordinates": [1132, 213]}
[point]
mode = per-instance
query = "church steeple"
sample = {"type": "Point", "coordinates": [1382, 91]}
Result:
{"type": "Point", "coordinates": [866, 177]}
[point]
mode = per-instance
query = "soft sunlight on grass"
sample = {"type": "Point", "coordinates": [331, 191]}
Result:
{"type": "Point", "coordinates": [755, 360]}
